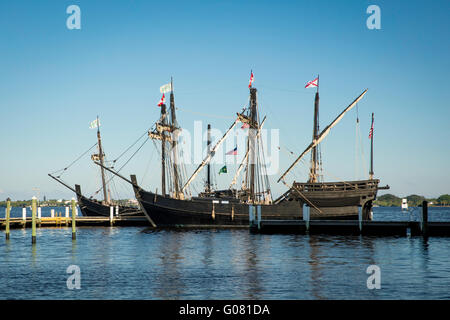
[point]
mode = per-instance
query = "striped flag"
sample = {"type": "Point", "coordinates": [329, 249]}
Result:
{"type": "Point", "coordinates": [232, 152]}
{"type": "Point", "coordinates": [162, 101]}
{"type": "Point", "coordinates": [251, 80]}
{"type": "Point", "coordinates": [313, 83]}
{"type": "Point", "coordinates": [245, 126]}
{"type": "Point", "coordinates": [94, 124]}
{"type": "Point", "coordinates": [165, 88]}
{"type": "Point", "coordinates": [371, 131]}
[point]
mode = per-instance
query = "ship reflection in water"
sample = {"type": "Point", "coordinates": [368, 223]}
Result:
{"type": "Point", "coordinates": [141, 263]}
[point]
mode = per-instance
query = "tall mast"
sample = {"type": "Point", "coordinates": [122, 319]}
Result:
{"type": "Point", "coordinates": [314, 152]}
{"type": "Point", "coordinates": [174, 141]}
{"type": "Point", "coordinates": [101, 157]}
{"type": "Point", "coordinates": [208, 171]}
{"type": "Point", "coordinates": [163, 151]}
{"type": "Point", "coordinates": [252, 141]}
{"type": "Point", "coordinates": [371, 150]}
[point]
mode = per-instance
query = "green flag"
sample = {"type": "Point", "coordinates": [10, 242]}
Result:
{"type": "Point", "coordinates": [223, 170]}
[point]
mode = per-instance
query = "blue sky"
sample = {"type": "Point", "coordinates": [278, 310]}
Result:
{"type": "Point", "coordinates": [55, 81]}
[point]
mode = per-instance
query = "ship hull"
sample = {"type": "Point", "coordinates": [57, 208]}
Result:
{"type": "Point", "coordinates": [165, 211]}
{"type": "Point", "coordinates": [90, 208]}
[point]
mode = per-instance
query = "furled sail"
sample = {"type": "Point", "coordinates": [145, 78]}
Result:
{"type": "Point", "coordinates": [323, 134]}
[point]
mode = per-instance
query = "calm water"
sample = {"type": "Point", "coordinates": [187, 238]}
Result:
{"type": "Point", "coordinates": [138, 263]}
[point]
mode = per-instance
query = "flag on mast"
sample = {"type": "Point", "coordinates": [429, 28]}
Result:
{"type": "Point", "coordinates": [165, 88]}
{"type": "Point", "coordinates": [371, 131]}
{"type": "Point", "coordinates": [313, 83]}
{"type": "Point", "coordinates": [251, 80]}
{"type": "Point", "coordinates": [94, 124]}
{"type": "Point", "coordinates": [245, 126]}
{"type": "Point", "coordinates": [223, 170]}
{"type": "Point", "coordinates": [232, 152]}
{"type": "Point", "coordinates": [162, 101]}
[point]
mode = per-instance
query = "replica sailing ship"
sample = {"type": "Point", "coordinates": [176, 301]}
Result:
{"type": "Point", "coordinates": [342, 199]}
{"type": "Point", "coordinates": [92, 207]}
{"type": "Point", "coordinates": [231, 207]}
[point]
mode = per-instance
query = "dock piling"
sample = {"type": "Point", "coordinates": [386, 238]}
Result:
{"type": "Point", "coordinates": [424, 222]}
{"type": "Point", "coordinates": [251, 215]}
{"type": "Point", "coordinates": [52, 213]}
{"type": "Point", "coordinates": [24, 216]}
{"type": "Point", "coordinates": [74, 209]}
{"type": "Point", "coordinates": [33, 220]}
{"type": "Point", "coordinates": [111, 215]}
{"type": "Point", "coordinates": [306, 216]}
{"type": "Point", "coordinates": [117, 211]}
{"type": "Point", "coordinates": [258, 216]}
{"type": "Point", "coordinates": [360, 218]}
{"type": "Point", "coordinates": [8, 212]}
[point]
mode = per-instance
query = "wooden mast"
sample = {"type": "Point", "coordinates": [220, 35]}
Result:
{"type": "Point", "coordinates": [314, 152]}
{"type": "Point", "coordinates": [163, 151]}
{"type": "Point", "coordinates": [371, 150]}
{"type": "Point", "coordinates": [208, 171]}
{"type": "Point", "coordinates": [252, 141]}
{"type": "Point", "coordinates": [101, 157]}
{"type": "Point", "coordinates": [174, 142]}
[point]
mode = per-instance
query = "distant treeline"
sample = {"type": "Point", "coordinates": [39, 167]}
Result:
{"type": "Point", "coordinates": [414, 200]}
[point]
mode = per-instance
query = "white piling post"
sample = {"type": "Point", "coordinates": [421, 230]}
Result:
{"type": "Point", "coordinates": [258, 215]}
{"type": "Point", "coordinates": [52, 213]}
{"type": "Point", "coordinates": [117, 211]}
{"type": "Point", "coordinates": [24, 214]}
{"type": "Point", "coordinates": [251, 215]}
{"type": "Point", "coordinates": [67, 212]}
{"type": "Point", "coordinates": [76, 211]}
{"type": "Point", "coordinates": [306, 215]}
{"type": "Point", "coordinates": [39, 213]}
{"type": "Point", "coordinates": [360, 218]}
{"type": "Point", "coordinates": [111, 214]}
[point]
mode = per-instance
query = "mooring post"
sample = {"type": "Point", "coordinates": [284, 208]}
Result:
{"type": "Point", "coordinates": [74, 209]}
{"type": "Point", "coordinates": [251, 216]}
{"type": "Point", "coordinates": [306, 215]}
{"type": "Point", "coordinates": [111, 215]}
{"type": "Point", "coordinates": [24, 216]}
{"type": "Point", "coordinates": [52, 213]}
{"type": "Point", "coordinates": [258, 216]}
{"type": "Point", "coordinates": [33, 220]}
{"type": "Point", "coordinates": [8, 212]}
{"type": "Point", "coordinates": [360, 218]}
{"type": "Point", "coordinates": [424, 218]}
{"type": "Point", "coordinates": [39, 213]}
{"type": "Point", "coordinates": [117, 211]}
{"type": "Point", "coordinates": [67, 212]}
{"type": "Point", "coordinates": [213, 212]}
{"type": "Point", "coordinates": [232, 212]}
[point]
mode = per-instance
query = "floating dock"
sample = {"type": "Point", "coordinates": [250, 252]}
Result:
{"type": "Point", "coordinates": [349, 227]}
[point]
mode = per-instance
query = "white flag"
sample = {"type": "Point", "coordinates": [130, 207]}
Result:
{"type": "Point", "coordinates": [166, 88]}
{"type": "Point", "coordinates": [94, 124]}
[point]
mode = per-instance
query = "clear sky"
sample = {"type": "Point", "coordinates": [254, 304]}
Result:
{"type": "Point", "coordinates": [55, 81]}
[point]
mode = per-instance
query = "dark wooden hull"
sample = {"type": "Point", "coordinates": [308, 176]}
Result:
{"type": "Point", "coordinates": [92, 208]}
{"type": "Point", "coordinates": [169, 212]}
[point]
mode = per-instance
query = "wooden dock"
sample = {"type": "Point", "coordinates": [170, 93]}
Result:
{"type": "Point", "coordinates": [349, 227]}
{"type": "Point", "coordinates": [16, 223]}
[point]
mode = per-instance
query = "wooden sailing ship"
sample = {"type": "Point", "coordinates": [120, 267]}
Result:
{"type": "Point", "coordinates": [231, 206]}
{"type": "Point", "coordinates": [92, 207]}
{"type": "Point", "coordinates": [340, 199]}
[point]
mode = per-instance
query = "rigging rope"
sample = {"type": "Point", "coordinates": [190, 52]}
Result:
{"type": "Point", "coordinates": [73, 162]}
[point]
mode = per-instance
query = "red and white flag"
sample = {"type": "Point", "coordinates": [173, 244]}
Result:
{"type": "Point", "coordinates": [245, 126]}
{"type": "Point", "coordinates": [162, 101]}
{"type": "Point", "coordinates": [314, 83]}
{"type": "Point", "coordinates": [371, 131]}
{"type": "Point", "coordinates": [251, 80]}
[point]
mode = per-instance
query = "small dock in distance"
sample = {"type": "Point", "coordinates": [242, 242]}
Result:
{"type": "Point", "coordinates": [16, 223]}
